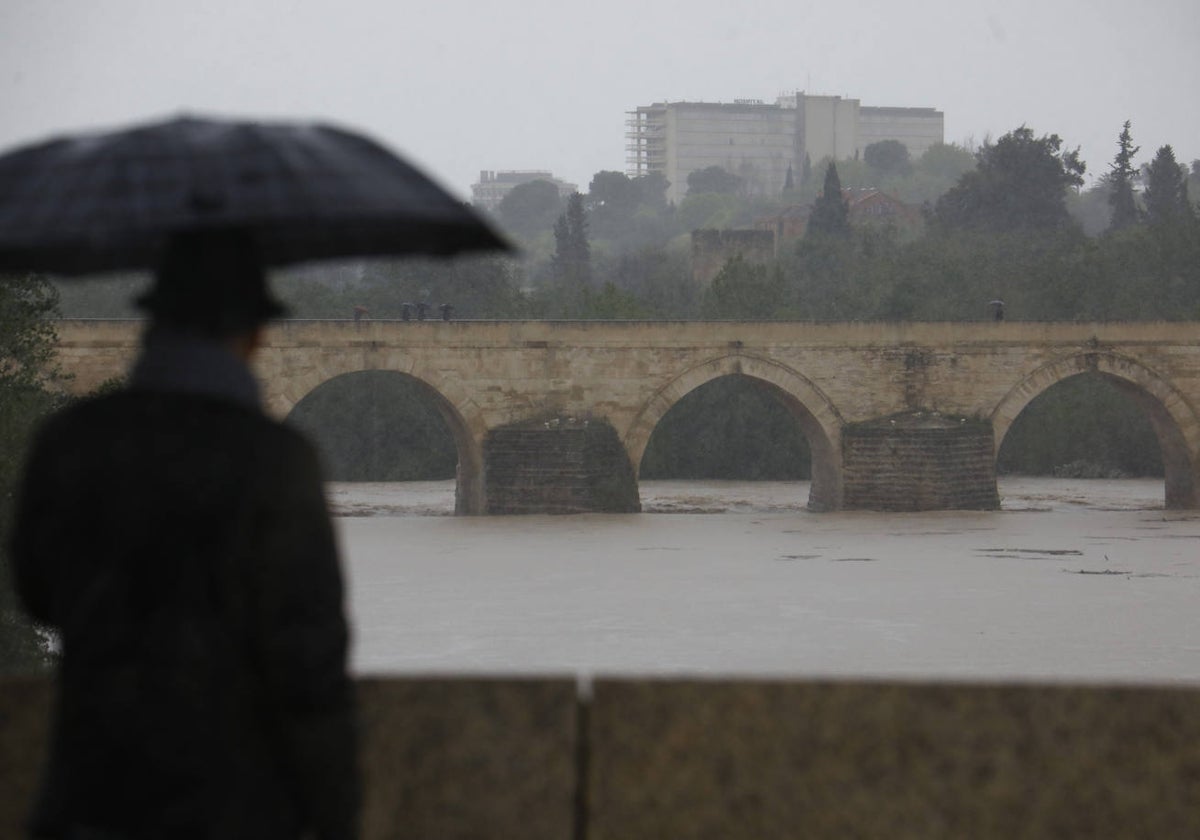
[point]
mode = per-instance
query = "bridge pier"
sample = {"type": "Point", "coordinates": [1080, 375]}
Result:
{"type": "Point", "coordinates": [470, 495]}
{"type": "Point", "coordinates": [919, 461]}
{"type": "Point", "coordinates": [559, 464]}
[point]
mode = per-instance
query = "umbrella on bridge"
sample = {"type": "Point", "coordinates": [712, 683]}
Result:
{"type": "Point", "coordinates": [302, 191]}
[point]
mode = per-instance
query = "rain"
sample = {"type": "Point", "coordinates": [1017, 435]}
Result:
{"type": "Point", "coordinates": [471, 97]}
{"type": "Point", "coordinates": [885, 199]}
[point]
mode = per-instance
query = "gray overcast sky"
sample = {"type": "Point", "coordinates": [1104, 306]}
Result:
{"type": "Point", "coordinates": [544, 84]}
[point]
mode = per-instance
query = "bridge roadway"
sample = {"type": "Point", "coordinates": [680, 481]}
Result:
{"type": "Point", "coordinates": [833, 377]}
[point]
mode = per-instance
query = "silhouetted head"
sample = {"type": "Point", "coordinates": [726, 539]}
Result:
{"type": "Point", "coordinates": [211, 282]}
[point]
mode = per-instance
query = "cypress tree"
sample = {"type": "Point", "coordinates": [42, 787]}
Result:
{"type": "Point", "coordinates": [1166, 193]}
{"type": "Point", "coordinates": [572, 252]}
{"type": "Point", "coordinates": [1120, 183]}
{"type": "Point", "coordinates": [830, 215]}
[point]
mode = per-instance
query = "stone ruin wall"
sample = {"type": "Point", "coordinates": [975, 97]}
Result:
{"type": "Point", "coordinates": [711, 249]}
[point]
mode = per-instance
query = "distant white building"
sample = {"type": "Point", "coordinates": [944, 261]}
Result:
{"type": "Point", "coordinates": [493, 186]}
{"type": "Point", "coordinates": [759, 141]}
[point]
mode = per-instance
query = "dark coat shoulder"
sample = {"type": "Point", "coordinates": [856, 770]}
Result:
{"type": "Point", "coordinates": [182, 548]}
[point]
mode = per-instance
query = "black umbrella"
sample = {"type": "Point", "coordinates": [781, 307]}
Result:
{"type": "Point", "coordinates": [110, 201]}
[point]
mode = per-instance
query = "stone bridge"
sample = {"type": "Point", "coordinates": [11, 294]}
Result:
{"type": "Point", "coordinates": [897, 415]}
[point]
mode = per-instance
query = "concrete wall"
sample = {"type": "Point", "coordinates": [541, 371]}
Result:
{"type": "Point", "coordinates": [828, 128]}
{"type": "Point", "coordinates": [919, 129]}
{"type": "Point", "coordinates": [751, 141]}
{"type": "Point", "coordinates": [488, 374]}
{"type": "Point", "coordinates": [645, 759]}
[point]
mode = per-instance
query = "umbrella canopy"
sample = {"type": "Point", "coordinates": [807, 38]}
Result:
{"type": "Point", "coordinates": [105, 202]}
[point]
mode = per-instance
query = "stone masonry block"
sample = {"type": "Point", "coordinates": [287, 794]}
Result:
{"type": "Point", "coordinates": [468, 758]}
{"type": "Point", "coordinates": [696, 760]}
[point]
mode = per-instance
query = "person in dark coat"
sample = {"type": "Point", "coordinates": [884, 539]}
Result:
{"type": "Point", "coordinates": [178, 542]}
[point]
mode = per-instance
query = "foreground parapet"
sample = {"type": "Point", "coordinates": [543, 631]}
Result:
{"type": "Point", "coordinates": [719, 759]}
{"type": "Point", "coordinates": [644, 759]}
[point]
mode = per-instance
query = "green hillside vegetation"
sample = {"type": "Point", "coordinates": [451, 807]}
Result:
{"type": "Point", "coordinates": [30, 387]}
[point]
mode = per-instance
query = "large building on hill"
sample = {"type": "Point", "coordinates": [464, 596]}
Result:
{"type": "Point", "coordinates": [760, 141]}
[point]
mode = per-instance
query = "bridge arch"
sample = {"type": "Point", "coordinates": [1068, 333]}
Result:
{"type": "Point", "coordinates": [460, 413]}
{"type": "Point", "coordinates": [816, 414]}
{"type": "Point", "coordinates": [1174, 420]}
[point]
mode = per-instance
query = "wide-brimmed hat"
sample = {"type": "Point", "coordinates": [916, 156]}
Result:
{"type": "Point", "coordinates": [212, 281]}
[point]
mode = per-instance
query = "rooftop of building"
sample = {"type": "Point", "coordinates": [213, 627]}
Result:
{"type": "Point", "coordinates": [787, 101]}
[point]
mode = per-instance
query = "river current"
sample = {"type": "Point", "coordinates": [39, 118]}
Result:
{"type": "Point", "coordinates": [1070, 580]}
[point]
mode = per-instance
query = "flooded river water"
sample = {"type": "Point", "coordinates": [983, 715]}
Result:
{"type": "Point", "coordinates": [1071, 580]}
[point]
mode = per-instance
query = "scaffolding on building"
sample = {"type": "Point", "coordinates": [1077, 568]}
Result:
{"type": "Point", "coordinates": [645, 148]}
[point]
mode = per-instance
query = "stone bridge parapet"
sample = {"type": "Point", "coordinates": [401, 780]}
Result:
{"type": "Point", "coordinates": [486, 375]}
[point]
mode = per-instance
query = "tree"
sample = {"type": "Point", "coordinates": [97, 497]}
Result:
{"type": "Point", "coordinates": [377, 425]}
{"type": "Point", "coordinates": [611, 303]}
{"type": "Point", "coordinates": [854, 172]}
{"type": "Point", "coordinates": [27, 380]}
{"type": "Point", "coordinates": [529, 207]}
{"type": "Point", "coordinates": [744, 289]}
{"type": "Point", "coordinates": [709, 210]}
{"type": "Point", "coordinates": [887, 159]}
{"type": "Point", "coordinates": [1120, 183]}
{"type": "Point", "coordinates": [946, 162]}
{"type": "Point", "coordinates": [625, 213]}
{"type": "Point", "coordinates": [932, 174]}
{"type": "Point", "coordinates": [1091, 207]}
{"type": "Point", "coordinates": [713, 179]}
{"type": "Point", "coordinates": [1083, 426]}
{"type": "Point", "coordinates": [730, 427]}
{"type": "Point", "coordinates": [476, 286]}
{"type": "Point", "coordinates": [572, 252]}
{"type": "Point", "coordinates": [613, 199]}
{"type": "Point", "coordinates": [1019, 183]}
{"type": "Point", "coordinates": [615, 192]}
{"type": "Point", "coordinates": [652, 190]}
{"type": "Point", "coordinates": [661, 279]}
{"type": "Point", "coordinates": [830, 215]}
{"type": "Point", "coordinates": [112, 296]}
{"type": "Point", "coordinates": [27, 303]}
{"type": "Point", "coordinates": [1166, 193]}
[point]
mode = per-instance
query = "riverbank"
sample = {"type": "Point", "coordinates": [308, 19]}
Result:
{"type": "Point", "coordinates": [436, 498]}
